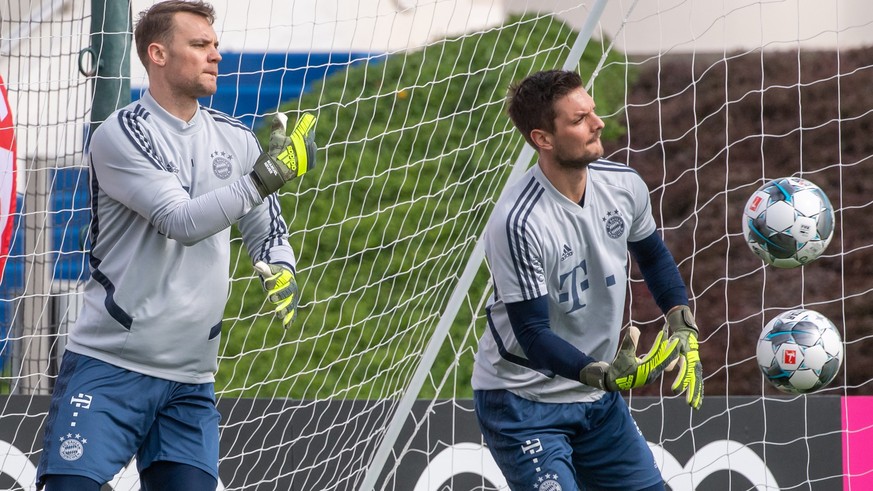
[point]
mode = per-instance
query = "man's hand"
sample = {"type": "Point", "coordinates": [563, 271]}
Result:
{"type": "Point", "coordinates": [627, 371]}
{"type": "Point", "coordinates": [281, 289]}
{"type": "Point", "coordinates": [287, 157]}
{"type": "Point", "coordinates": [684, 332]}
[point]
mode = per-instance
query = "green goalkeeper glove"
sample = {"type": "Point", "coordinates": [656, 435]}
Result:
{"type": "Point", "coordinates": [690, 378]}
{"type": "Point", "coordinates": [281, 289]}
{"type": "Point", "coordinates": [288, 157]}
{"type": "Point", "coordinates": [627, 371]}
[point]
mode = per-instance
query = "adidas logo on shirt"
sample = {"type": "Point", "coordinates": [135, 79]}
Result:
{"type": "Point", "coordinates": [567, 252]}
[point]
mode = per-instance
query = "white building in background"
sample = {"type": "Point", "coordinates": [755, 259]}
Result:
{"type": "Point", "coordinates": [39, 39]}
{"type": "Point", "coordinates": [652, 26]}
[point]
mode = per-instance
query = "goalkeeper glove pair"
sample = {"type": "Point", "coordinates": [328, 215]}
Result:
{"type": "Point", "coordinates": [287, 158]}
{"type": "Point", "coordinates": [629, 372]}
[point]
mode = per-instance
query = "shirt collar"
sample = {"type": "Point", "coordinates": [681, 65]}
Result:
{"type": "Point", "coordinates": [173, 122]}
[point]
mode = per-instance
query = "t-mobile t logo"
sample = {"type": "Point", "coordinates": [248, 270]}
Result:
{"type": "Point", "coordinates": [532, 446]}
{"type": "Point", "coordinates": [83, 401]}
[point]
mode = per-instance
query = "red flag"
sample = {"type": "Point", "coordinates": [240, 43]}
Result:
{"type": "Point", "coordinates": [7, 175]}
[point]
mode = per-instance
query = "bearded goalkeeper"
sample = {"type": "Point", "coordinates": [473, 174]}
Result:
{"type": "Point", "coordinates": [549, 366]}
{"type": "Point", "coordinates": [168, 179]}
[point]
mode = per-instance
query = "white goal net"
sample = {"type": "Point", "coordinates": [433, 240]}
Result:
{"type": "Point", "coordinates": [370, 387]}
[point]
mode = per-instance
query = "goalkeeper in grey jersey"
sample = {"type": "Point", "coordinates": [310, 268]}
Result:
{"type": "Point", "coordinates": [168, 179]}
{"type": "Point", "coordinates": [549, 365]}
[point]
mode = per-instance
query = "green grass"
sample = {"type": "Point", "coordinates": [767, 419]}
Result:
{"type": "Point", "coordinates": [414, 149]}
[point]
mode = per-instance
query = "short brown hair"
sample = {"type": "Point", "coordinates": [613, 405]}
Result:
{"type": "Point", "coordinates": [155, 24]}
{"type": "Point", "coordinates": [530, 103]}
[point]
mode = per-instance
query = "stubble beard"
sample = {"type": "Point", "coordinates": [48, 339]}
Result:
{"type": "Point", "coordinates": [197, 88]}
{"type": "Point", "coordinates": [578, 162]}
{"type": "Point", "coordinates": [202, 90]}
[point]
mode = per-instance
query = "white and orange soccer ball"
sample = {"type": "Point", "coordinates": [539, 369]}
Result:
{"type": "Point", "coordinates": [800, 351]}
{"type": "Point", "coordinates": [788, 222]}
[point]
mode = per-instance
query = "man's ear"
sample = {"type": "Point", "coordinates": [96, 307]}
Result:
{"type": "Point", "coordinates": [157, 54]}
{"type": "Point", "coordinates": [541, 139]}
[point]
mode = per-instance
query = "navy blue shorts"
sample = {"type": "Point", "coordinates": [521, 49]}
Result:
{"type": "Point", "coordinates": [584, 445]}
{"type": "Point", "coordinates": [102, 415]}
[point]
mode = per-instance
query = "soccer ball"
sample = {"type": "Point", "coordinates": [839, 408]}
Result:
{"type": "Point", "coordinates": [788, 222]}
{"type": "Point", "coordinates": [800, 351]}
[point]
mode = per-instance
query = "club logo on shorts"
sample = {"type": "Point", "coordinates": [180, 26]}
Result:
{"type": "Point", "coordinates": [72, 446]}
{"type": "Point", "coordinates": [614, 223]}
{"type": "Point", "coordinates": [548, 483]}
{"type": "Point", "coordinates": [221, 164]}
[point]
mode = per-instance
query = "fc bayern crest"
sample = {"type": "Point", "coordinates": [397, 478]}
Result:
{"type": "Point", "coordinates": [221, 164]}
{"type": "Point", "coordinates": [549, 485]}
{"type": "Point", "coordinates": [72, 447]}
{"type": "Point", "coordinates": [614, 223]}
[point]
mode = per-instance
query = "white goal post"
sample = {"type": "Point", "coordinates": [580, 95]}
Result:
{"type": "Point", "coordinates": [370, 388]}
{"type": "Point", "coordinates": [462, 289]}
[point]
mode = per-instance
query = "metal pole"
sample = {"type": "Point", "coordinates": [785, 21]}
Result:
{"type": "Point", "coordinates": [111, 41]}
{"type": "Point", "coordinates": [34, 355]}
{"type": "Point", "coordinates": [463, 286]}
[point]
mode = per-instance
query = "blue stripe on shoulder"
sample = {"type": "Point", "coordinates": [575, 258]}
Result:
{"type": "Point", "coordinates": [130, 122]}
{"type": "Point", "coordinates": [607, 166]}
{"type": "Point", "coordinates": [516, 228]}
{"type": "Point", "coordinates": [220, 117]}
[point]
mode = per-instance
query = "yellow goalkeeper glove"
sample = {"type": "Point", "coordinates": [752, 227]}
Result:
{"type": "Point", "coordinates": [681, 323]}
{"type": "Point", "coordinates": [627, 371]}
{"type": "Point", "coordinates": [288, 157]}
{"type": "Point", "coordinates": [281, 289]}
